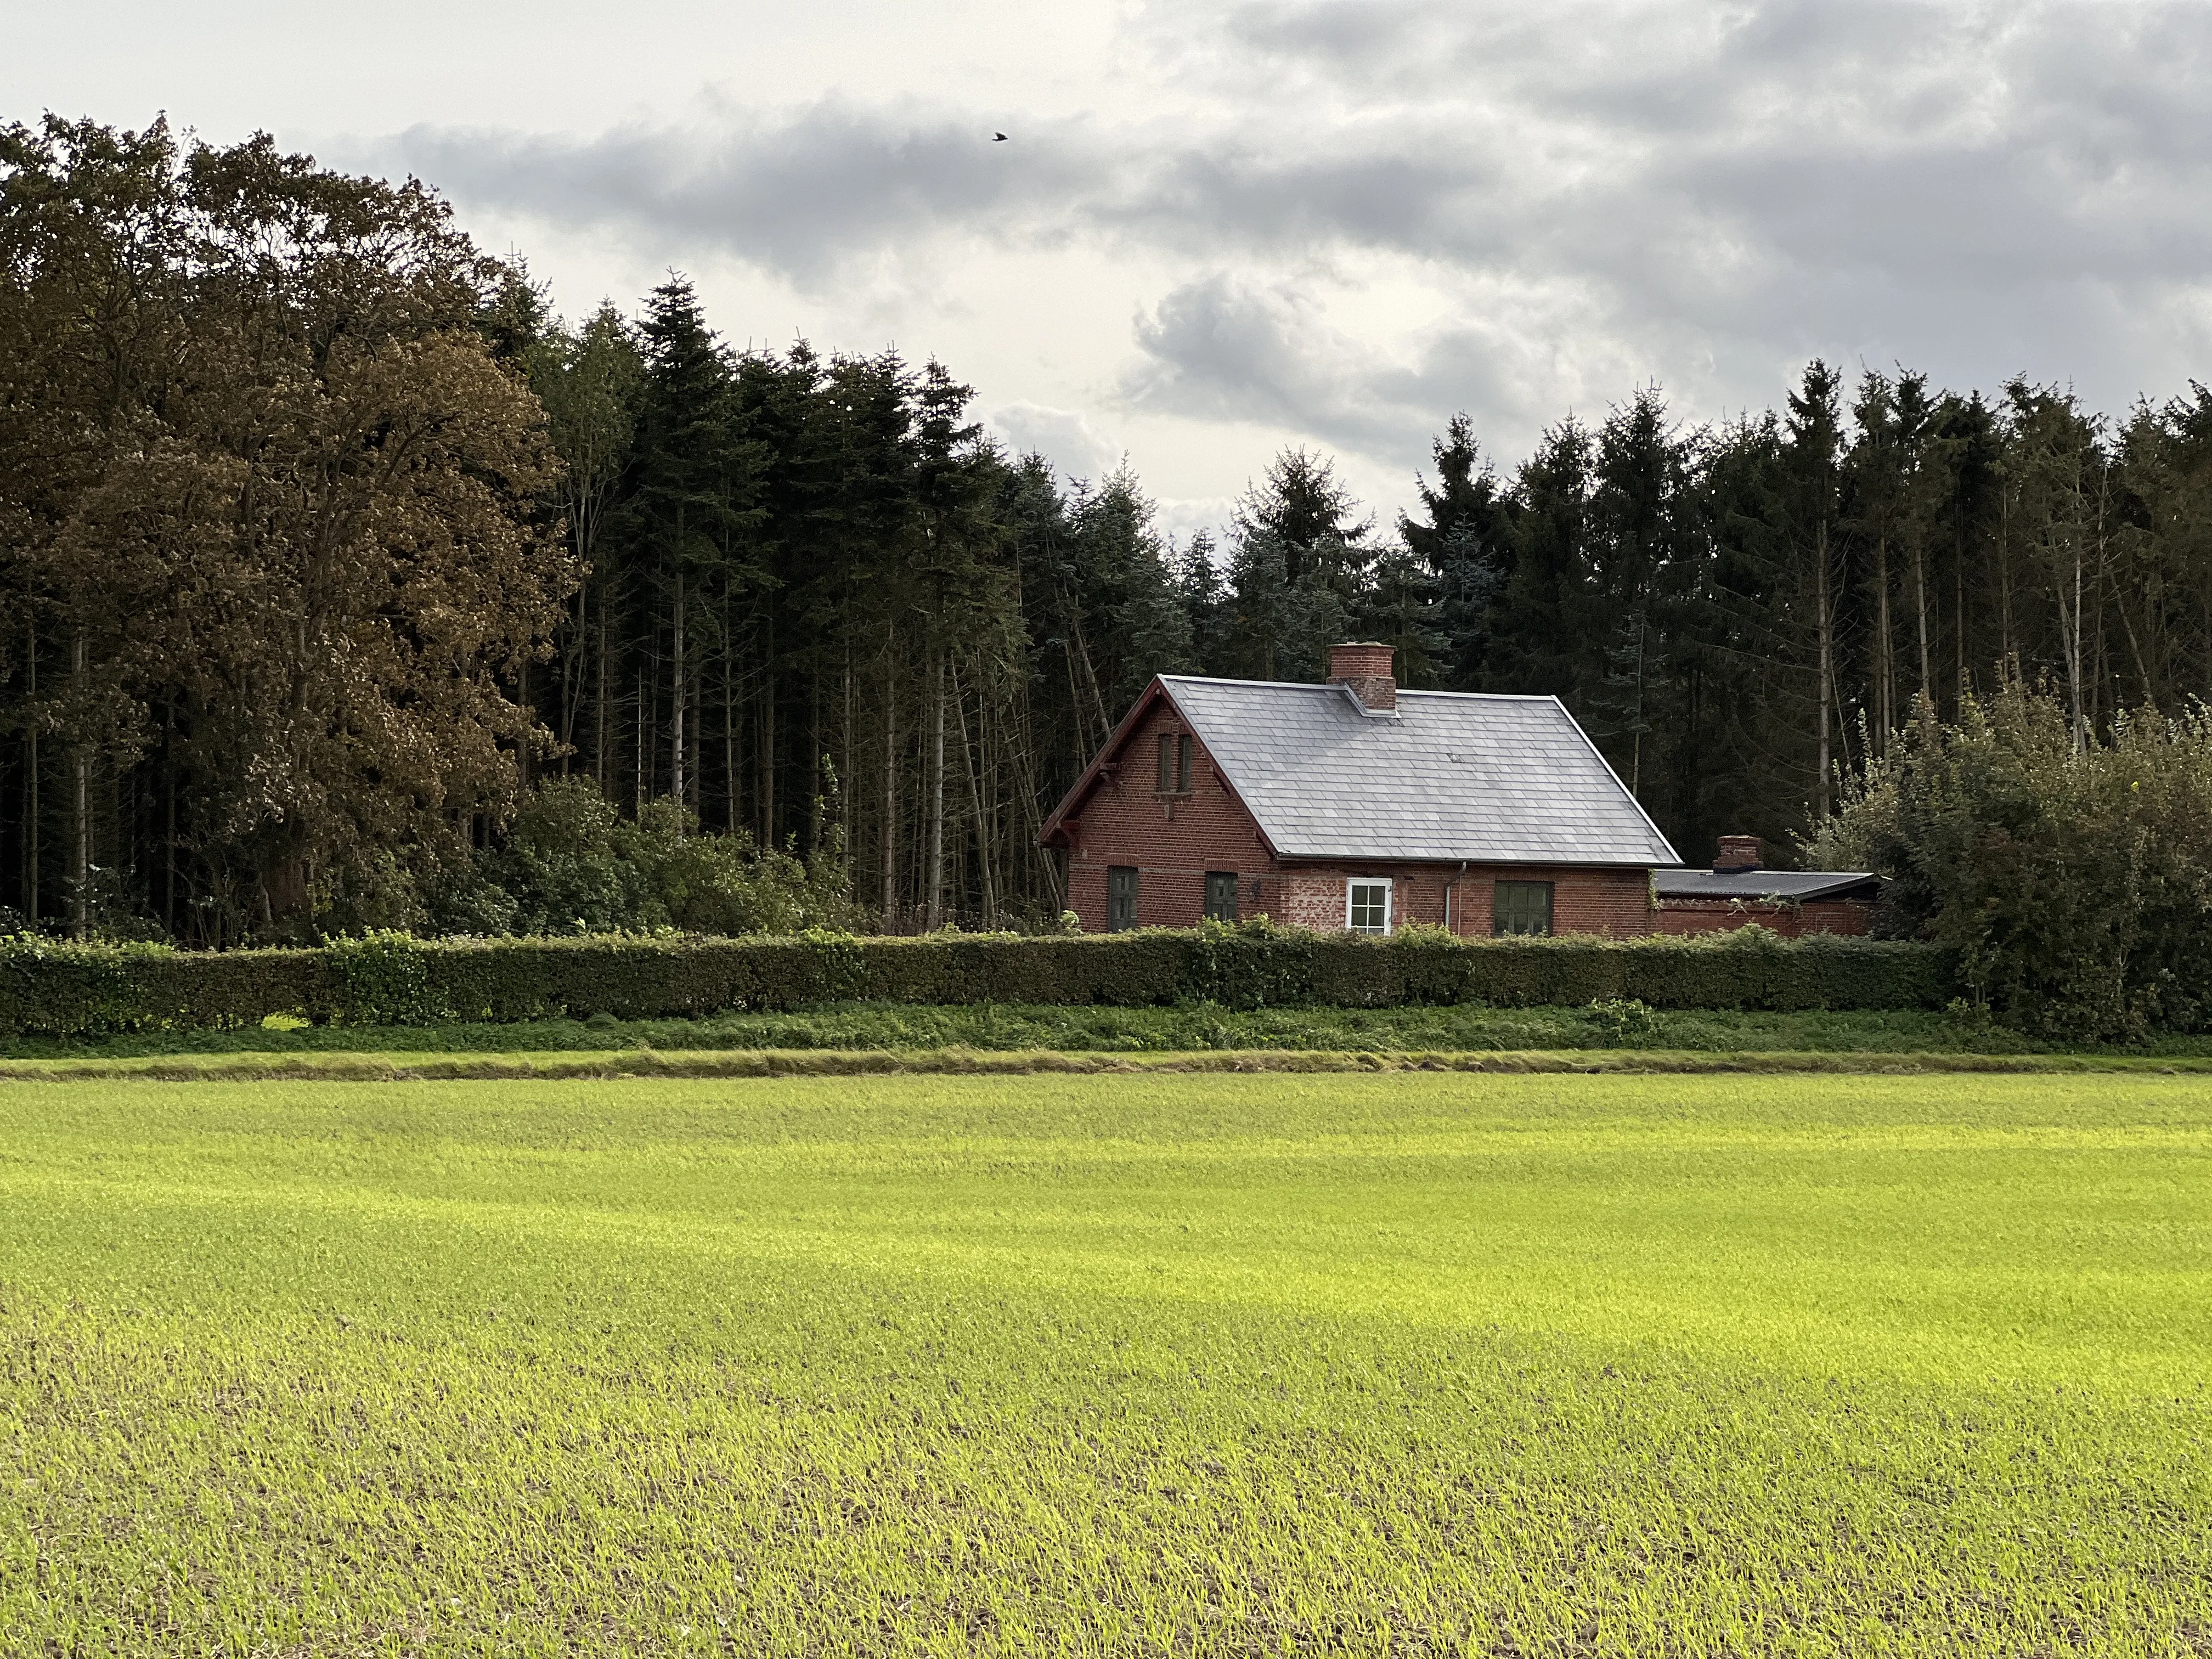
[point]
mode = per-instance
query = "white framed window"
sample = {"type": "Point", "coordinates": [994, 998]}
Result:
{"type": "Point", "coordinates": [1367, 904]}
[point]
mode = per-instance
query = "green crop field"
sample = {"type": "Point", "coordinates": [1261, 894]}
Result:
{"type": "Point", "coordinates": [1405, 1365]}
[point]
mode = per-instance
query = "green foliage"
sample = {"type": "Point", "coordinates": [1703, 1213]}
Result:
{"type": "Point", "coordinates": [1250, 964]}
{"type": "Point", "coordinates": [2071, 872]}
{"type": "Point", "coordinates": [571, 864]}
{"type": "Point", "coordinates": [855, 1026]}
{"type": "Point", "coordinates": [74, 990]}
{"type": "Point", "coordinates": [1627, 1021]}
{"type": "Point", "coordinates": [1210, 1366]}
{"type": "Point", "coordinates": [387, 978]}
{"type": "Point", "coordinates": [383, 978]}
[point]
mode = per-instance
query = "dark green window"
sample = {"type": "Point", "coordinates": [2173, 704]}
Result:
{"type": "Point", "coordinates": [1221, 895]}
{"type": "Point", "coordinates": [1121, 898]}
{"type": "Point", "coordinates": [1523, 907]}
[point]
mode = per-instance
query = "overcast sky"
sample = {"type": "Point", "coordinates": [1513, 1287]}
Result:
{"type": "Point", "coordinates": [1217, 229]}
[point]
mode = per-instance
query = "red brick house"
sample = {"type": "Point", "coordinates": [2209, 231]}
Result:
{"type": "Point", "coordinates": [1354, 805]}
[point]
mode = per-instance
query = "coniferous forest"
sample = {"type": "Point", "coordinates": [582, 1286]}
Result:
{"type": "Point", "coordinates": [337, 574]}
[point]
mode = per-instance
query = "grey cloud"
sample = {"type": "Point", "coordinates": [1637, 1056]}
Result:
{"type": "Point", "coordinates": [796, 193]}
{"type": "Point", "coordinates": [1219, 349]}
{"type": "Point", "coordinates": [1706, 190]}
{"type": "Point", "coordinates": [1875, 133]}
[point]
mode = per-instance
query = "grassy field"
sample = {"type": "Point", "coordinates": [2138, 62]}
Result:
{"type": "Point", "coordinates": [1407, 1365]}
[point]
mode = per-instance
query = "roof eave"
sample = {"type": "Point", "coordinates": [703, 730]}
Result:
{"type": "Point", "coordinates": [1481, 858]}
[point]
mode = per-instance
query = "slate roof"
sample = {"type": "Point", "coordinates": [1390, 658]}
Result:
{"type": "Point", "coordinates": [1492, 780]}
{"type": "Point", "coordinates": [1752, 886]}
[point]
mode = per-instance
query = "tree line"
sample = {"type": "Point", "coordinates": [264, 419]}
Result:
{"type": "Point", "coordinates": [327, 548]}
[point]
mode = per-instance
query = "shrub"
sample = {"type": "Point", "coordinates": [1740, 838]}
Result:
{"type": "Point", "coordinates": [1626, 1021]}
{"type": "Point", "coordinates": [68, 990]}
{"type": "Point", "coordinates": [62, 989]}
{"type": "Point", "coordinates": [2071, 872]}
{"type": "Point", "coordinates": [383, 979]}
{"type": "Point", "coordinates": [571, 864]}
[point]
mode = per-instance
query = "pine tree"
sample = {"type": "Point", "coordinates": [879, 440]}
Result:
{"type": "Point", "coordinates": [1462, 542]}
{"type": "Point", "coordinates": [1204, 597]}
{"type": "Point", "coordinates": [1549, 627]}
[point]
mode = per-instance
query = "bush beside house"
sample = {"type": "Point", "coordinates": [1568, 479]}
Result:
{"type": "Point", "coordinates": [2070, 870]}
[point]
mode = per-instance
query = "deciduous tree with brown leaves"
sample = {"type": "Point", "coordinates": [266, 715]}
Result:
{"type": "Point", "coordinates": [275, 554]}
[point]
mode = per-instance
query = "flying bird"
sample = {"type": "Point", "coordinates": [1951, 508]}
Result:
{"type": "Point", "coordinates": [998, 137]}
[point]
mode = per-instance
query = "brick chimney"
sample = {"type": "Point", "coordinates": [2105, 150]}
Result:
{"type": "Point", "coordinates": [1365, 667]}
{"type": "Point", "coordinates": [1739, 855]}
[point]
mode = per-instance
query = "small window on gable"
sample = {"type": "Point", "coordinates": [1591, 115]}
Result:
{"type": "Point", "coordinates": [1367, 904]}
{"type": "Point", "coordinates": [1523, 907]}
{"type": "Point", "coordinates": [1174, 778]}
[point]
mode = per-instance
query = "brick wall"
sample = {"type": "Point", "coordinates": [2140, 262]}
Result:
{"type": "Point", "coordinates": [1686, 915]}
{"type": "Point", "coordinates": [1614, 903]}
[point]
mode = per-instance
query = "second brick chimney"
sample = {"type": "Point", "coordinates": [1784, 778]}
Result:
{"type": "Point", "coordinates": [1364, 666]}
{"type": "Point", "coordinates": [1739, 854]}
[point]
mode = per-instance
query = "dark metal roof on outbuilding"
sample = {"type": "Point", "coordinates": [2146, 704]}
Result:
{"type": "Point", "coordinates": [1445, 776]}
{"type": "Point", "coordinates": [1795, 886]}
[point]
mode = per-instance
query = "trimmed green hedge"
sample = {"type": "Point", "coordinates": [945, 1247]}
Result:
{"type": "Point", "coordinates": [49, 988]}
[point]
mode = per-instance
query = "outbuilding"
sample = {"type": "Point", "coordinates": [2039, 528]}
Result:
{"type": "Point", "coordinates": [1739, 889]}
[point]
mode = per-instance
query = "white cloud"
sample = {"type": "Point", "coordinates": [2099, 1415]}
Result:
{"type": "Point", "coordinates": [1219, 228]}
{"type": "Point", "coordinates": [1063, 436]}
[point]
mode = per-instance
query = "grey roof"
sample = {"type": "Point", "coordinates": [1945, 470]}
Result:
{"type": "Point", "coordinates": [1492, 779]}
{"type": "Point", "coordinates": [1751, 885]}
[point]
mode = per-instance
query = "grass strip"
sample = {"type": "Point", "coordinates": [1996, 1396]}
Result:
{"type": "Point", "coordinates": [1068, 1030]}
{"type": "Point", "coordinates": [379, 1067]}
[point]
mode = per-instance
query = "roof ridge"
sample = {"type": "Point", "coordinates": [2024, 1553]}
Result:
{"type": "Point", "coordinates": [1330, 685]}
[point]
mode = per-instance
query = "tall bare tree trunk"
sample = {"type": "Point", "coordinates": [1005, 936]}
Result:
{"type": "Point", "coordinates": [599, 703]}
{"type": "Point", "coordinates": [848, 777]}
{"type": "Point", "coordinates": [730, 744]}
{"type": "Point", "coordinates": [765, 755]}
{"type": "Point", "coordinates": [1965, 658]}
{"type": "Point", "coordinates": [934, 857]}
{"type": "Point", "coordinates": [169, 808]}
{"type": "Point", "coordinates": [676, 688]}
{"type": "Point", "coordinates": [2071, 624]}
{"type": "Point", "coordinates": [80, 815]}
{"type": "Point", "coordinates": [2006, 653]}
{"type": "Point", "coordinates": [890, 797]}
{"type": "Point", "coordinates": [1920, 604]}
{"type": "Point", "coordinates": [1827, 638]}
{"type": "Point", "coordinates": [694, 713]}
{"type": "Point", "coordinates": [814, 758]}
{"type": "Point", "coordinates": [1885, 684]}
{"type": "Point", "coordinates": [975, 803]}
{"type": "Point", "coordinates": [526, 759]}
{"type": "Point", "coordinates": [31, 874]}
{"type": "Point", "coordinates": [640, 750]}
